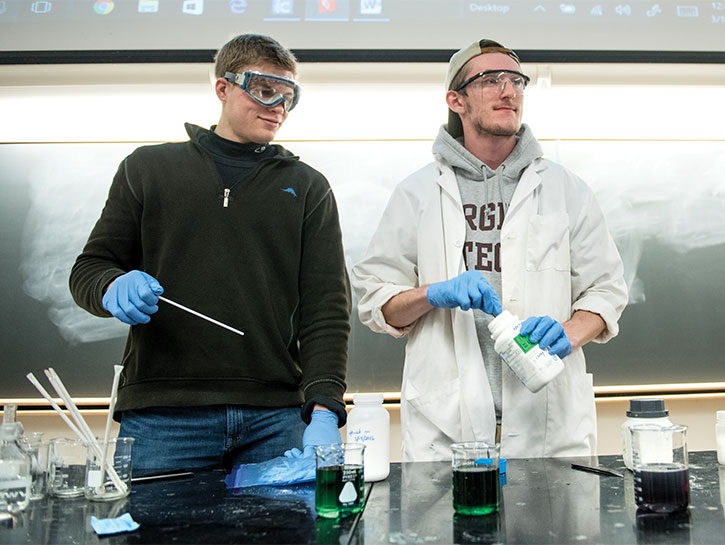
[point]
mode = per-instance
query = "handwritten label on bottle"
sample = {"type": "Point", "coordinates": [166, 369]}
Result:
{"type": "Point", "coordinates": [360, 435]}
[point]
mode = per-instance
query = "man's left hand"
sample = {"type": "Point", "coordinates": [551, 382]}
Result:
{"type": "Point", "coordinates": [322, 430]}
{"type": "Point", "coordinates": [548, 333]}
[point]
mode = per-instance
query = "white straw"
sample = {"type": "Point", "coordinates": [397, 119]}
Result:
{"type": "Point", "coordinates": [200, 315]}
{"type": "Point", "coordinates": [73, 427]}
{"type": "Point", "coordinates": [69, 403]}
{"type": "Point", "coordinates": [111, 407]}
{"type": "Point", "coordinates": [81, 423]}
{"type": "Point", "coordinates": [53, 404]}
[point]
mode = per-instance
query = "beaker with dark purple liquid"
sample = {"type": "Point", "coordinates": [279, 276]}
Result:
{"type": "Point", "coordinates": [661, 481]}
{"type": "Point", "coordinates": [663, 489]}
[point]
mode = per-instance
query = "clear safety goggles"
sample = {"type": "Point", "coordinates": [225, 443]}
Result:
{"type": "Point", "coordinates": [496, 80]}
{"type": "Point", "coordinates": [267, 89]}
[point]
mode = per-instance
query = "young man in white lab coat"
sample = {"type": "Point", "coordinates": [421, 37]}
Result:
{"type": "Point", "coordinates": [491, 216]}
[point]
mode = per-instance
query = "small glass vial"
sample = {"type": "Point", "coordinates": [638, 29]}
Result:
{"type": "Point", "coordinates": [14, 465]}
{"type": "Point", "coordinates": [369, 423]}
{"type": "Point", "coordinates": [720, 437]}
{"type": "Point", "coordinates": [534, 366]}
{"type": "Point", "coordinates": [643, 410]}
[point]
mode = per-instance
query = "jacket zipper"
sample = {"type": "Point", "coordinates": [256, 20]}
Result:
{"type": "Point", "coordinates": [226, 197]}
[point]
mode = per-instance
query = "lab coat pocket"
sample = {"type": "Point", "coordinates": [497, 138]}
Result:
{"type": "Point", "coordinates": [547, 243]}
{"type": "Point", "coordinates": [571, 414]}
{"type": "Point", "coordinates": [438, 404]}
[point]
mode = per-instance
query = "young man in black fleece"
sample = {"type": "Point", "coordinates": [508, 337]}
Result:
{"type": "Point", "coordinates": [242, 231]}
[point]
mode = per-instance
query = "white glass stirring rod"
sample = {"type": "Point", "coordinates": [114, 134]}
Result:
{"type": "Point", "coordinates": [200, 315]}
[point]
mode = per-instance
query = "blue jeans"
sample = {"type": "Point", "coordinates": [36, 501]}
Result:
{"type": "Point", "coordinates": [217, 436]}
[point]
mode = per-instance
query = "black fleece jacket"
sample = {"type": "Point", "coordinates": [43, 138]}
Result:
{"type": "Point", "coordinates": [266, 259]}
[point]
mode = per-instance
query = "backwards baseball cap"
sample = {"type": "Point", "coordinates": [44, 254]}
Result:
{"type": "Point", "coordinates": [456, 64]}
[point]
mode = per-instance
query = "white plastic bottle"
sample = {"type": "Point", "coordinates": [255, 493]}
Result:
{"type": "Point", "coordinates": [369, 423]}
{"type": "Point", "coordinates": [643, 410]}
{"type": "Point", "coordinates": [720, 437]}
{"type": "Point", "coordinates": [14, 466]}
{"type": "Point", "coordinates": [534, 367]}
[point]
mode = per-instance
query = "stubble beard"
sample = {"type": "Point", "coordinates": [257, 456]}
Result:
{"type": "Point", "coordinates": [486, 128]}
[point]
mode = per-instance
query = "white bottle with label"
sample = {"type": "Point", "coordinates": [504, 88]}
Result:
{"type": "Point", "coordinates": [534, 367]}
{"type": "Point", "coordinates": [720, 437]}
{"type": "Point", "coordinates": [14, 465]}
{"type": "Point", "coordinates": [369, 423]}
{"type": "Point", "coordinates": [643, 410]}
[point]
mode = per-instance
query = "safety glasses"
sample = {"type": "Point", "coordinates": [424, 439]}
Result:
{"type": "Point", "coordinates": [497, 80]}
{"type": "Point", "coordinates": [267, 89]}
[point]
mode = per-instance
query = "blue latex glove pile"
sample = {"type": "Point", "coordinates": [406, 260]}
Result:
{"type": "Point", "coordinates": [322, 430]}
{"type": "Point", "coordinates": [133, 297]}
{"type": "Point", "coordinates": [467, 290]}
{"type": "Point", "coordinates": [278, 471]}
{"type": "Point", "coordinates": [548, 333]}
{"type": "Point", "coordinates": [296, 466]}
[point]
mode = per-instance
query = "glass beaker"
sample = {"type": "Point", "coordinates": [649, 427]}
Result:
{"type": "Point", "coordinates": [659, 461]}
{"type": "Point", "coordinates": [67, 467]}
{"type": "Point", "coordinates": [100, 485]}
{"type": "Point", "coordinates": [476, 482]}
{"type": "Point", "coordinates": [38, 450]}
{"type": "Point", "coordinates": [339, 480]}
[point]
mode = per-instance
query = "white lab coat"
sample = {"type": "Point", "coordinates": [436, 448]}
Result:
{"type": "Point", "coordinates": [556, 257]}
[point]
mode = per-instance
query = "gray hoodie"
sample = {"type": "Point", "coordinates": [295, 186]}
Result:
{"type": "Point", "coordinates": [486, 195]}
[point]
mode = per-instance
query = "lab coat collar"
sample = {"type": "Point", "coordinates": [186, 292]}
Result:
{"type": "Point", "coordinates": [530, 180]}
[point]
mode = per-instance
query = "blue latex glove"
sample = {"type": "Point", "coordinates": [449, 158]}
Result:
{"type": "Point", "coordinates": [133, 297]}
{"type": "Point", "coordinates": [467, 290]}
{"type": "Point", "coordinates": [309, 452]}
{"type": "Point", "coordinates": [548, 333]}
{"type": "Point", "coordinates": [322, 430]}
{"type": "Point", "coordinates": [277, 471]}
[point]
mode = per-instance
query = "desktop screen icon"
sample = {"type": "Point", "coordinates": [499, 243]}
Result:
{"type": "Point", "coordinates": [326, 6]}
{"type": "Point", "coordinates": [283, 7]}
{"type": "Point", "coordinates": [237, 6]}
{"type": "Point", "coordinates": [688, 11]}
{"type": "Point", "coordinates": [41, 6]}
{"type": "Point", "coordinates": [371, 7]}
{"type": "Point", "coordinates": [103, 7]}
{"type": "Point", "coordinates": [193, 7]}
{"type": "Point", "coordinates": [148, 6]}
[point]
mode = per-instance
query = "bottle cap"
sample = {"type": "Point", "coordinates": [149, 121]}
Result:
{"type": "Point", "coordinates": [720, 415]}
{"type": "Point", "coordinates": [12, 431]}
{"type": "Point", "coordinates": [367, 398]}
{"type": "Point", "coordinates": [647, 407]}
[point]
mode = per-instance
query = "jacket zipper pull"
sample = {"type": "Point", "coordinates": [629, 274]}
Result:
{"type": "Point", "coordinates": [226, 197]}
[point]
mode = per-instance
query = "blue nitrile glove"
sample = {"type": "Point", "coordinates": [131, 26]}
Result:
{"type": "Point", "coordinates": [467, 290]}
{"type": "Point", "coordinates": [322, 430]}
{"type": "Point", "coordinates": [548, 333]}
{"type": "Point", "coordinates": [297, 453]}
{"type": "Point", "coordinates": [277, 471]}
{"type": "Point", "coordinates": [133, 297]}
